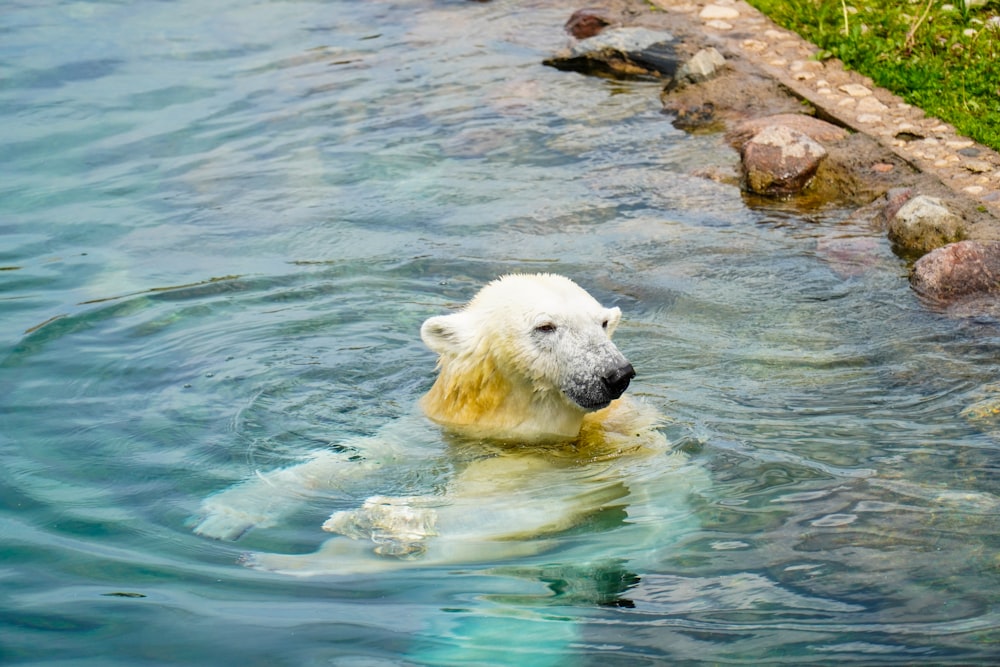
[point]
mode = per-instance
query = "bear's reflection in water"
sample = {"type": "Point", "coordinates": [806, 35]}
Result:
{"type": "Point", "coordinates": [546, 453]}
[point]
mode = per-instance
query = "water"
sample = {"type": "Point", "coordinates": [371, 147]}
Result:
{"type": "Point", "coordinates": [222, 227]}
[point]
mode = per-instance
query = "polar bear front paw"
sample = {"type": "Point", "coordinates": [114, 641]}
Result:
{"type": "Point", "coordinates": [398, 526]}
{"type": "Point", "coordinates": [226, 523]}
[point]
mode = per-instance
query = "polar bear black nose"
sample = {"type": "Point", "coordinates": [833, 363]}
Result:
{"type": "Point", "coordinates": [617, 380]}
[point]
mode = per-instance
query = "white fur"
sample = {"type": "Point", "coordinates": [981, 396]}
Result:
{"type": "Point", "coordinates": [514, 366]}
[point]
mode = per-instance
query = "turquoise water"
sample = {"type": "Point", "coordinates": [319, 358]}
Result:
{"type": "Point", "coordinates": [222, 226]}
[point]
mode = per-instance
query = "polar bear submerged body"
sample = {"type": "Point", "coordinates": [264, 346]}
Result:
{"type": "Point", "coordinates": [529, 393]}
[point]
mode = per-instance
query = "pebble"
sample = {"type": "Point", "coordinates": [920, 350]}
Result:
{"type": "Point", "coordinates": [718, 13]}
{"type": "Point", "coordinates": [855, 90]}
{"type": "Point", "coordinates": [870, 105]}
{"type": "Point", "coordinates": [806, 64]}
{"type": "Point", "coordinates": [978, 166]}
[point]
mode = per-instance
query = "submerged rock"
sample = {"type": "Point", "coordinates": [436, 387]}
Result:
{"type": "Point", "coordinates": [621, 52]}
{"type": "Point", "coordinates": [849, 256]}
{"type": "Point", "coordinates": [780, 161]}
{"type": "Point", "coordinates": [923, 224]}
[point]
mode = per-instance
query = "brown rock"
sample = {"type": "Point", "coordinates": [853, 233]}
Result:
{"type": "Point", "coordinates": [849, 256]}
{"type": "Point", "coordinates": [780, 161]}
{"type": "Point", "coordinates": [814, 128]}
{"type": "Point", "coordinates": [965, 272]}
{"type": "Point", "coordinates": [894, 200]}
{"type": "Point", "coordinates": [588, 22]}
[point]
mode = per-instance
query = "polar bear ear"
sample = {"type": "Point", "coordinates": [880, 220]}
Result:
{"type": "Point", "coordinates": [445, 334]}
{"type": "Point", "coordinates": [612, 316]}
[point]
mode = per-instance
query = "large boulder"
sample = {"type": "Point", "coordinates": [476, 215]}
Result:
{"type": "Point", "coordinates": [922, 224]}
{"type": "Point", "coordinates": [959, 272]}
{"type": "Point", "coordinates": [779, 161]}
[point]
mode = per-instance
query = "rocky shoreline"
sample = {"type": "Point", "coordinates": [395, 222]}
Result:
{"type": "Point", "coordinates": [807, 128]}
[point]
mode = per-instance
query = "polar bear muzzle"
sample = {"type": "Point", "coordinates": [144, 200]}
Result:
{"type": "Point", "coordinates": [595, 392]}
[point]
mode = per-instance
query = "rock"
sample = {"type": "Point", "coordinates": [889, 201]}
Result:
{"type": "Point", "coordinates": [922, 224]}
{"type": "Point", "coordinates": [987, 408]}
{"type": "Point", "coordinates": [849, 256]}
{"type": "Point", "coordinates": [814, 128]}
{"type": "Point", "coordinates": [622, 53]}
{"type": "Point", "coordinates": [962, 272]}
{"type": "Point", "coordinates": [856, 90]}
{"type": "Point", "coordinates": [780, 161]}
{"type": "Point", "coordinates": [977, 306]}
{"type": "Point", "coordinates": [702, 66]}
{"type": "Point", "coordinates": [699, 118]}
{"type": "Point", "coordinates": [977, 166]}
{"type": "Point", "coordinates": [718, 13]}
{"type": "Point", "coordinates": [588, 22]}
{"type": "Point", "coordinates": [962, 278]}
{"type": "Point", "coordinates": [894, 200]}
{"type": "Point", "coordinates": [870, 105]}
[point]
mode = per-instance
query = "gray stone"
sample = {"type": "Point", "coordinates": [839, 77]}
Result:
{"type": "Point", "coordinates": [780, 161]}
{"type": "Point", "coordinates": [621, 52]}
{"type": "Point", "coordinates": [922, 224]}
{"type": "Point", "coordinates": [702, 66]}
{"type": "Point", "coordinates": [624, 40]}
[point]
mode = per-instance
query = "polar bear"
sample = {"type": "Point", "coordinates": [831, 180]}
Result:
{"type": "Point", "coordinates": [529, 399]}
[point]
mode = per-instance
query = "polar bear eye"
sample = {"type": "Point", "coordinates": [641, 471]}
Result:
{"type": "Point", "coordinates": [548, 327]}
{"type": "Point", "coordinates": [604, 325]}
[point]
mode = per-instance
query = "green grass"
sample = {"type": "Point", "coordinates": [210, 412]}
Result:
{"type": "Point", "coordinates": [941, 57]}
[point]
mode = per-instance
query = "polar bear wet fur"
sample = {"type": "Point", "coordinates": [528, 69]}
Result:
{"type": "Point", "coordinates": [528, 373]}
{"type": "Point", "coordinates": [525, 360]}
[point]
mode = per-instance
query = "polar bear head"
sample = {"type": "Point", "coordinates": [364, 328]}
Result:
{"type": "Point", "coordinates": [525, 360]}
